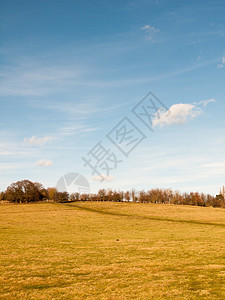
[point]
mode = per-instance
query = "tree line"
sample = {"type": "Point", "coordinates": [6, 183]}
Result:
{"type": "Point", "coordinates": [26, 191]}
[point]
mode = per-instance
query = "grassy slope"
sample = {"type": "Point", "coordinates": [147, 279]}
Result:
{"type": "Point", "coordinates": [111, 251]}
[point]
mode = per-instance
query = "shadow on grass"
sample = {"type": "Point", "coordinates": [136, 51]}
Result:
{"type": "Point", "coordinates": [142, 217]}
{"type": "Point", "coordinates": [42, 286]}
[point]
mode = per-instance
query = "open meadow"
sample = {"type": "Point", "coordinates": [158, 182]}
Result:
{"type": "Point", "coordinates": [104, 250]}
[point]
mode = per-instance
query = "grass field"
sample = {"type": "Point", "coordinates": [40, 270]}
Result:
{"type": "Point", "coordinates": [111, 251]}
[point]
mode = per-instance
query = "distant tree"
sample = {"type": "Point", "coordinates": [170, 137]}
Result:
{"type": "Point", "coordinates": [142, 196]}
{"type": "Point", "coordinates": [196, 199]}
{"type": "Point", "coordinates": [74, 197]}
{"type": "Point", "coordinates": [62, 197]}
{"type": "Point", "coordinates": [2, 196]}
{"type": "Point", "coordinates": [101, 195]}
{"type": "Point", "coordinates": [222, 191]}
{"type": "Point", "coordinates": [121, 193]}
{"type": "Point", "coordinates": [52, 193]}
{"type": "Point", "coordinates": [109, 195]}
{"type": "Point", "coordinates": [219, 201]}
{"type": "Point", "coordinates": [26, 191]}
{"type": "Point", "coordinates": [117, 196]}
{"type": "Point", "coordinates": [43, 192]}
{"type": "Point", "coordinates": [155, 196]}
{"type": "Point", "coordinates": [169, 194]}
{"type": "Point", "coordinates": [186, 199]}
{"type": "Point", "coordinates": [209, 200]}
{"type": "Point", "coordinates": [127, 196]}
{"type": "Point", "coordinates": [22, 192]}
{"type": "Point", "coordinates": [84, 197]}
{"type": "Point", "coordinates": [134, 196]}
{"type": "Point", "coordinates": [93, 197]}
{"type": "Point", "coordinates": [177, 198]}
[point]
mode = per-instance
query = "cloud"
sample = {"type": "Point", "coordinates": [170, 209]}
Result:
{"type": "Point", "coordinates": [102, 177]}
{"type": "Point", "coordinates": [81, 111]}
{"type": "Point", "coordinates": [177, 114]}
{"type": "Point", "coordinates": [6, 166]}
{"type": "Point", "coordinates": [44, 163]}
{"type": "Point", "coordinates": [205, 102]}
{"type": "Point", "coordinates": [150, 31]}
{"type": "Point", "coordinates": [148, 28]}
{"type": "Point", "coordinates": [34, 79]}
{"type": "Point", "coordinates": [71, 130]}
{"type": "Point", "coordinates": [216, 165]}
{"type": "Point", "coordinates": [35, 141]}
{"type": "Point", "coordinates": [221, 65]}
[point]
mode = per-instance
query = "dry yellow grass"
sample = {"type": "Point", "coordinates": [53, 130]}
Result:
{"type": "Point", "coordinates": [111, 251]}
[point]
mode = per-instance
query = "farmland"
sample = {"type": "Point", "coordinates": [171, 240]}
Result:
{"type": "Point", "coordinates": [106, 250]}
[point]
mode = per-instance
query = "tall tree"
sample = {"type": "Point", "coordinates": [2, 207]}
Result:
{"type": "Point", "coordinates": [22, 192]}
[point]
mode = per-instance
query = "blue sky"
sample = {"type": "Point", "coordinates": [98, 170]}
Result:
{"type": "Point", "coordinates": [70, 71]}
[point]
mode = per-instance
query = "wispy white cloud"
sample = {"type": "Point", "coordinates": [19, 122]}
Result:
{"type": "Point", "coordinates": [176, 114]}
{"type": "Point", "coordinates": [15, 148]}
{"type": "Point", "coordinates": [102, 177]}
{"type": "Point", "coordinates": [6, 166]}
{"type": "Point", "coordinates": [222, 63]}
{"type": "Point", "coordinates": [71, 130]}
{"type": "Point", "coordinates": [81, 109]}
{"type": "Point", "coordinates": [186, 173]}
{"type": "Point", "coordinates": [35, 141]}
{"type": "Point", "coordinates": [215, 165]}
{"type": "Point", "coordinates": [44, 163]}
{"type": "Point", "coordinates": [34, 79]}
{"type": "Point", "coordinates": [150, 31]}
{"type": "Point", "coordinates": [205, 102]}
